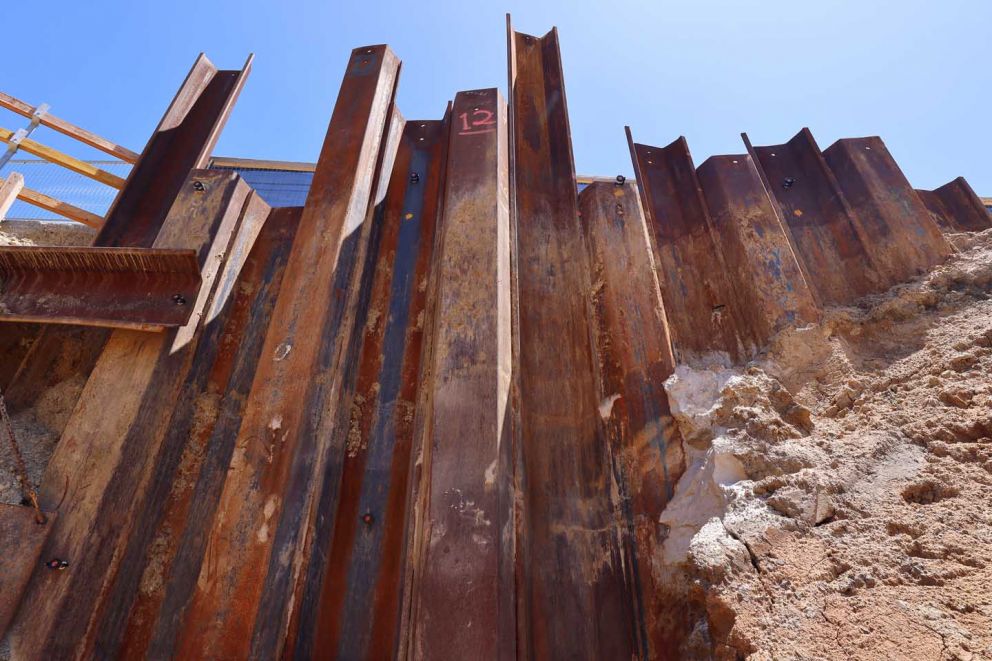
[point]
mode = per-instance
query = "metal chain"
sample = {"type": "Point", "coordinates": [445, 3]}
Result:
{"type": "Point", "coordinates": [22, 471]}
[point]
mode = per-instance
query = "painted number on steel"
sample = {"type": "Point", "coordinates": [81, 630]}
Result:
{"type": "Point", "coordinates": [479, 120]}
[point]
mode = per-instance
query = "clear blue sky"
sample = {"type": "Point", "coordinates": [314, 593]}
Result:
{"type": "Point", "coordinates": [918, 73]}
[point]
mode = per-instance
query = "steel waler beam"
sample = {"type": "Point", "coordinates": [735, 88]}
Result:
{"type": "Point", "coordinates": [63, 281]}
{"type": "Point", "coordinates": [636, 357]}
{"type": "Point", "coordinates": [98, 474]}
{"type": "Point", "coordinates": [182, 142]}
{"type": "Point", "coordinates": [459, 592]}
{"type": "Point", "coordinates": [748, 227]}
{"type": "Point", "coordinates": [827, 238]}
{"type": "Point", "coordinates": [240, 606]}
{"type": "Point", "coordinates": [956, 208]}
{"type": "Point", "coordinates": [136, 288]}
{"type": "Point", "coordinates": [703, 310]}
{"type": "Point", "coordinates": [574, 599]}
{"type": "Point", "coordinates": [903, 238]}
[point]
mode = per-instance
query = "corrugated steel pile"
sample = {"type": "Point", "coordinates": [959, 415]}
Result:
{"type": "Point", "coordinates": [423, 415]}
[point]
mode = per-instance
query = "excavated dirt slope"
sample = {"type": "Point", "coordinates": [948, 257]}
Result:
{"type": "Point", "coordinates": [838, 500]}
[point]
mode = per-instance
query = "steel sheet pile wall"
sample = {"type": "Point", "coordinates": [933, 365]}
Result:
{"type": "Point", "coordinates": [708, 318]}
{"type": "Point", "coordinates": [955, 207]}
{"type": "Point", "coordinates": [424, 414]}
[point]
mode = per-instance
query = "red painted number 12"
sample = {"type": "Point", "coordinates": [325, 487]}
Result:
{"type": "Point", "coordinates": [481, 122]}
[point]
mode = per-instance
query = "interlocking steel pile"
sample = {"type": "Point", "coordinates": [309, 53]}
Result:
{"type": "Point", "coordinates": [424, 414]}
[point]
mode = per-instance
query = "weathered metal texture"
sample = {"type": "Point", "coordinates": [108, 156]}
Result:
{"type": "Point", "coordinates": [955, 207]}
{"type": "Point", "coordinates": [351, 586]}
{"type": "Point", "coordinates": [351, 607]}
{"type": "Point", "coordinates": [826, 236]}
{"type": "Point", "coordinates": [241, 603]}
{"type": "Point", "coordinates": [21, 538]}
{"type": "Point", "coordinates": [142, 289]}
{"type": "Point", "coordinates": [347, 318]}
{"type": "Point", "coordinates": [903, 239]}
{"type": "Point", "coordinates": [461, 592]}
{"type": "Point", "coordinates": [167, 549]}
{"type": "Point", "coordinates": [181, 142]}
{"type": "Point", "coordinates": [635, 358]}
{"type": "Point", "coordinates": [170, 414]}
{"type": "Point", "coordinates": [704, 317]}
{"type": "Point", "coordinates": [748, 227]}
{"type": "Point", "coordinates": [575, 600]}
{"type": "Point", "coordinates": [98, 477]}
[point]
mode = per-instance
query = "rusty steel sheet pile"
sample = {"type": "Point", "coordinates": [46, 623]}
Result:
{"type": "Point", "coordinates": [690, 267]}
{"type": "Point", "coordinates": [424, 415]}
{"type": "Point", "coordinates": [955, 207]}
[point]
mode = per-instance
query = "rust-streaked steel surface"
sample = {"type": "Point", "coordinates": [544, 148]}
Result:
{"type": "Point", "coordinates": [826, 235]}
{"type": "Point", "coordinates": [903, 239]}
{"type": "Point", "coordinates": [955, 206]}
{"type": "Point", "coordinates": [423, 416]}
{"type": "Point", "coordinates": [575, 600]}
{"type": "Point", "coordinates": [21, 540]}
{"type": "Point", "coordinates": [748, 227]}
{"type": "Point", "coordinates": [355, 576]}
{"type": "Point", "coordinates": [139, 288]}
{"type": "Point", "coordinates": [100, 477]}
{"type": "Point", "coordinates": [635, 358]}
{"type": "Point", "coordinates": [347, 316]}
{"type": "Point", "coordinates": [161, 566]}
{"type": "Point", "coordinates": [457, 574]}
{"type": "Point", "coordinates": [703, 308]}
{"type": "Point", "coordinates": [240, 605]}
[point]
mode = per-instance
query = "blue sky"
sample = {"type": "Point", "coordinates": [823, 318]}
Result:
{"type": "Point", "coordinates": [917, 73]}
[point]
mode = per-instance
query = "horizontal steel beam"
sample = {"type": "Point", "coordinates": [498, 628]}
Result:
{"type": "Point", "coordinates": [141, 289]}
